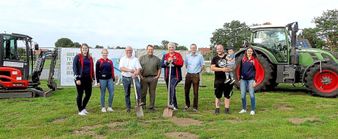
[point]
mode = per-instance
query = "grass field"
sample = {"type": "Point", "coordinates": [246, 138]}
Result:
{"type": "Point", "coordinates": [281, 114]}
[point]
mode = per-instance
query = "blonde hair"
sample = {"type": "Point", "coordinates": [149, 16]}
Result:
{"type": "Point", "coordinates": [104, 50]}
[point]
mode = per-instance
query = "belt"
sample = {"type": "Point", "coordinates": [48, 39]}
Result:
{"type": "Point", "coordinates": [125, 77]}
{"type": "Point", "coordinates": [194, 73]}
{"type": "Point", "coordinates": [150, 76]}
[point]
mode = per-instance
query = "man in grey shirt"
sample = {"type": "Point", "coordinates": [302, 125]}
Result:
{"type": "Point", "coordinates": [151, 71]}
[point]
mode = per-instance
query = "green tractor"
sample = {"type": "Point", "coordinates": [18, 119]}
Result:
{"type": "Point", "coordinates": [282, 62]}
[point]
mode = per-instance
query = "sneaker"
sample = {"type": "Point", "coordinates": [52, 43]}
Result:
{"type": "Point", "coordinates": [128, 110]}
{"type": "Point", "coordinates": [171, 106]}
{"type": "Point", "coordinates": [85, 111]}
{"type": "Point", "coordinates": [242, 111]}
{"type": "Point", "coordinates": [252, 113]}
{"type": "Point", "coordinates": [227, 80]}
{"type": "Point", "coordinates": [82, 113]}
{"type": "Point", "coordinates": [217, 111]}
{"type": "Point", "coordinates": [103, 109]}
{"type": "Point", "coordinates": [232, 81]}
{"type": "Point", "coordinates": [186, 108]}
{"type": "Point", "coordinates": [194, 110]}
{"type": "Point", "coordinates": [110, 109]}
{"type": "Point", "coordinates": [175, 109]}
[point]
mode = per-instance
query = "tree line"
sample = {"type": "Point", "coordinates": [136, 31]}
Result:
{"type": "Point", "coordinates": [68, 43]}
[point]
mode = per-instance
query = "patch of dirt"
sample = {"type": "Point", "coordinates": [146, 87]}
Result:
{"type": "Point", "coordinates": [59, 120]}
{"type": "Point", "coordinates": [89, 130]}
{"type": "Point", "coordinates": [181, 135]}
{"type": "Point", "coordinates": [283, 107]}
{"type": "Point", "coordinates": [298, 121]}
{"type": "Point", "coordinates": [115, 125]}
{"type": "Point", "coordinates": [235, 120]}
{"type": "Point", "coordinates": [185, 121]}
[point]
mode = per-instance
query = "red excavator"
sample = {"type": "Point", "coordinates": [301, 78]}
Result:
{"type": "Point", "coordinates": [18, 77]}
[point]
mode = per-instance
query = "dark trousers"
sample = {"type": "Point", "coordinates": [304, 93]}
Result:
{"type": "Point", "coordinates": [172, 98]}
{"type": "Point", "coordinates": [193, 79]}
{"type": "Point", "coordinates": [84, 88]}
{"type": "Point", "coordinates": [149, 83]}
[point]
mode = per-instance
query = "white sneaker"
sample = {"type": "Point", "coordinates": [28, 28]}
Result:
{"type": "Point", "coordinates": [252, 113]}
{"type": "Point", "coordinates": [82, 113]}
{"type": "Point", "coordinates": [103, 109]}
{"type": "Point", "coordinates": [85, 111]}
{"type": "Point", "coordinates": [110, 109]}
{"type": "Point", "coordinates": [242, 111]}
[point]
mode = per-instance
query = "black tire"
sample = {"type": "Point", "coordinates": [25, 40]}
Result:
{"type": "Point", "coordinates": [310, 81]}
{"type": "Point", "coordinates": [268, 70]}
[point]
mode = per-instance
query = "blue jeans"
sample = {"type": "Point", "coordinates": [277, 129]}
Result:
{"type": "Point", "coordinates": [108, 83]}
{"type": "Point", "coordinates": [244, 86]}
{"type": "Point", "coordinates": [127, 81]}
{"type": "Point", "coordinates": [172, 98]}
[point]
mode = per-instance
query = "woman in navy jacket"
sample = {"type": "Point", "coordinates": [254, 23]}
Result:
{"type": "Point", "coordinates": [83, 69]}
{"type": "Point", "coordinates": [249, 64]}
{"type": "Point", "coordinates": [105, 79]}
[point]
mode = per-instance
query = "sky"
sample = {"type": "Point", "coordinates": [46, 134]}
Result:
{"type": "Point", "coordinates": [137, 23]}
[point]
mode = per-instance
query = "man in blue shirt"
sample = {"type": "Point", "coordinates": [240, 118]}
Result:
{"type": "Point", "coordinates": [194, 63]}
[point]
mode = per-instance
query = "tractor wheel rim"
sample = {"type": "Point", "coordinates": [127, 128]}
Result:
{"type": "Point", "coordinates": [326, 81]}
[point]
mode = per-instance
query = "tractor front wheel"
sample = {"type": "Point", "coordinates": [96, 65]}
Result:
{"type": "Point", "coordinates": [323, 82]}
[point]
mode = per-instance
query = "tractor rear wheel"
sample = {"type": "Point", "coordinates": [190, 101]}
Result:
{"type": "Point", "coordinates": [264, 72]}
{"type": "Point", "coordinates": [323, 82]}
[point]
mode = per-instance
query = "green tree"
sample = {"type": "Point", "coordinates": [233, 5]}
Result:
{"type": "Point", "coordinates": [311, 35]}
{"type": "Point", "coordinates": [120, 47]}
{"type": "Point", "coordinates": [76, 45]}
{"type": "Point", "coordinates": [164, 44]}
{"type": "Point", "coordinates": [21, 53]}
{"type": "Point", "coordinates": [99, 46]}
{"type": "Point", "coordinates": [233, 33]}
{"type": "Point", "coordinates": [157, 47]}
{"type": "Point", "coordinates": [327, 24]}
{"type": "Point", "coordinates": [64, 42]}
{"type": "Point", "coordinates": [181, 47]}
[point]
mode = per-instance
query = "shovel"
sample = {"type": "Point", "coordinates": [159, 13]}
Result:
{"type": "Point", "coordinates": [168, 112]}
{"type": "Point", "coordinates": [138, 108]}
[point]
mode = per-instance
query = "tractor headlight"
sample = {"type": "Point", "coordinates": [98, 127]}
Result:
{"type": "Point", "coordinates": [14, 72]}
{"type": "Point", "coordinates": [18, 78]}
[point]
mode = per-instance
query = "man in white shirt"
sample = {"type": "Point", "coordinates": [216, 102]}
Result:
{"type": "Point", "coordinates": [130, 69]}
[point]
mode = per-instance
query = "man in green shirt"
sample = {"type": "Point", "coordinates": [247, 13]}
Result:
{"type": "Point", "coordinates": [151, 71]}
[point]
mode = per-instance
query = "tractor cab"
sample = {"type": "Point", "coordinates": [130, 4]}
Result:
{"type": "Point", "coordinates": [15, 54]}
{"type": "Point", "coordinates": [274, 39]}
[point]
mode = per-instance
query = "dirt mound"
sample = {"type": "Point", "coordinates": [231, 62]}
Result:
{"type": "Point", "coordinates": [89, 130]}
{"type": "Point", "coordinates": [298, 121]}
{"type": "Point", "coordinates": [283, 107]}
{"type": "Point", "coordinates": [185, 121]}
{"type": "Point", "coordinates": [59, 120]}
{"type": "Point", "coordinates": [181, 135]}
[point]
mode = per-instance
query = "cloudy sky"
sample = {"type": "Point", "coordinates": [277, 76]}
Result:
{"type": "Point", "coordinates": [141, 22]}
